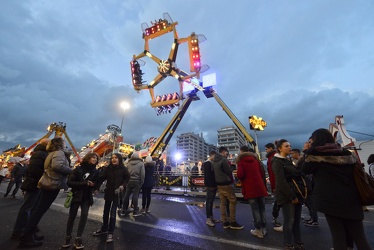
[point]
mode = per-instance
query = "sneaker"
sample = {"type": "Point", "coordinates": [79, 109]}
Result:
{"type": "Point", "coordinates": [257, 233]}
{"type": "Point", "coordinates": [235, 225]}
{"type": "Point", "coordinates": [278, 229]}
{"type": "Point", "coordinates": [299, 246]}
{"type": "Point", "coordinates": [99, 232]}
{"type": "Point", "coordinates": [109, 238]}
{"type": "Point", "coordinates": [226, 224]}
{"type": "Point", "coordinates": [264, 231]}
{"type": "Point", "coordinates": [78, 243]}
{"type": "Point", "coordinates": [214, 220]}
{"type": "Point", "coordinates": [276, 223]}
{"type": "Point", "coordinates": [5, 195]}
{"type": "Point", "coordinates": [142, 211]}
{"type": "Point", "coordinates": [312, 224]}
{"type": "Point", "coordinates": [308, 220]}
{"type": "Point", "coordinates": [13, 196]}
{"type": "Point", "coordinates": [209, 222]}
{"type": "Point", "coordinates": [67, 242]}
{"type": "Point", "coordinates": [16, 236]}
{"type": "Point", "coordinates": [136, 214]}
{"type": "Point", "coordinates": [148, 210]}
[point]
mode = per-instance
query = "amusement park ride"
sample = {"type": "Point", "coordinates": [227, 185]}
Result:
{"type": "Point", "coordinates": [167, 67]}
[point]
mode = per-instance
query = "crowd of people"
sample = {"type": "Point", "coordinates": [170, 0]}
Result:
{"type": "Point", "coordinates": [321, 178]}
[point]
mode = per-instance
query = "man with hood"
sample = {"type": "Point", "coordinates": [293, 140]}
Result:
{"type": "Point", "coordinates": [222, 173]}
{"type": "Point", "coordinates": [137, 174]}
{"type": "Point", "coordinates": [30, 188]}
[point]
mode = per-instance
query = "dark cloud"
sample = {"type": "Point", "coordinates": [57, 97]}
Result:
{"type": "Point", "coordinates": [295, 65]}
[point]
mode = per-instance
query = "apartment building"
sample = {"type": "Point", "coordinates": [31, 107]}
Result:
{"type": "Point", "coordinates": [193, 148]}
{"type": "Point", "coordinates": [231, 138]}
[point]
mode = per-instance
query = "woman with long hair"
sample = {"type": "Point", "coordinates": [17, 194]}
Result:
{"type": "Point", "coordinates": [56, 169]}
{"type": "Point", "coordinates": [83, 180]}
{"type": "Point", "coordinates": [335, 193]}
{"type": "Point", "coordinates": [286, 198]}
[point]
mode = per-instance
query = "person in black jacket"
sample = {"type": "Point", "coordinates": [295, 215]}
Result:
{"type": "Point", "coordinates": [211, 189]}
{"type": "Point", "coordinates": [117, 177]}
{"type": "Point", "coordinates": [34, 171]}
{"type": "Point", "coordinates": [83, 180]}
{"type": "Point", "coordinates": [148, 184]}
{"type": "Point", "coordinates": [335, 193]}
{"type": "Point", "coordinates": [18, 172]}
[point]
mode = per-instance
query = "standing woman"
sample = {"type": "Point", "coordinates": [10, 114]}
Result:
{"type": "Point", "coordinates": [56, 167]}
{"type": "Point", "coordinates": [286, 198]}
{"type": "Point", "coordinates": [82, 181]}
{"type": "Point", "coordinates": [335, 193]}
{"type": "Point", "coordinates": [148, 184]}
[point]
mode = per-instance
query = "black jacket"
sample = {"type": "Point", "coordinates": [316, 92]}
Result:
{"type": "Point", "coordinates": [35, 168]}
{"type": "Point", "coordinates": [18, 172]}
{"type": "Point", "coordinates": [149, 181]}
{"type": "Point", "coordinates": [115, 176]}
{"type": "Point", "coordinates": [209, 179]}
{"type": "Point", "coordinates": [78, 182]}
{"type": "Point", "coordinates": [335, 191]}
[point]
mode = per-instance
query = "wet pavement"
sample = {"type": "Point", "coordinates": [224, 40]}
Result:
{"type": "Point", "coordinates": [176, 221]}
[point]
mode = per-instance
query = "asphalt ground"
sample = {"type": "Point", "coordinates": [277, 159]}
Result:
{"type": "Point", "coordinates": [175, 222]}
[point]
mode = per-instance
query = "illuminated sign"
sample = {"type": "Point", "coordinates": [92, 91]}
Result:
{"type": "Point", "coordinates": [256, 123]}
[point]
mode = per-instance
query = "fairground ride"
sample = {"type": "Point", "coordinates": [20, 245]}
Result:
{"type": "Point", "coordinates": [58, 128]}
{"type": "Point", "coordinates": [341, 135]}
{"type": "Point", "coordinates": [167, 67]}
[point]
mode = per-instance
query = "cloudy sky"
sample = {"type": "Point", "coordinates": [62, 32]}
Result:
{"type": "Point", "coordinates": [296, 64]}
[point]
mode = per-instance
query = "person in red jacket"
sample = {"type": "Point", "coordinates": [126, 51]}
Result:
{"type": "Point", "coordinates": [270, 152]}
{"type": "Point", "coordinates": [252, 178]}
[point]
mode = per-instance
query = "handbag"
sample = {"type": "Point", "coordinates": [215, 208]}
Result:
{"type": "Point", "coordinates": [299, 187]}
{"type": "Point", "coordinates": [364, 184]}
{"type": "Point", "coordinates": [48, 183]}
{"type": "Point", "coordinates": [68, 200]}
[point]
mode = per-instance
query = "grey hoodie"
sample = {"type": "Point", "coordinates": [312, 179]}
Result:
{"type": "Point", "coordinates": [136, 170]}
{"type": "Point", "coordinates": [222, 171]}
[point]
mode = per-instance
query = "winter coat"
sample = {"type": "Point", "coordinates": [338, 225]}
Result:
{"type": "Point", "coordinates": [222, 171]}
{"type": "Point", "coordinates": [57, 167]}
{"type": "Point", "coordinates": [335, 191]}
{"type": "Point", "coordinates": [270, 156]}
{"type": "Point", "coordinates": [78, 182]}
{"type": "Point", "coordinates": [283, 168]}
{"type": "Point", "coordinates": [251, 176]}
{"type": "Point", "coordinates": [115, 175]}
{"type": "Point", "coordinates": [18, 172]}
{"type": "Point", "coordinates": [149, 180]}
{"type": "Point", "coordinates": [35, 168]}
{"type": "Point", "coordinates": [209, 179]}
{"type": "Point", "coordinates": [136, 170]}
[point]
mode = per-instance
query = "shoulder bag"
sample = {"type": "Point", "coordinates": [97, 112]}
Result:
{"type": "Point", "coordinates": [69, 199]}
{"type": "Point", "coordinates": [364, 184]}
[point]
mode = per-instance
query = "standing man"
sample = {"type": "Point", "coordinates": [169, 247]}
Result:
{"type": "Point", "coordinates": [34, 171]}
{"type": "Point", "coordinates": [222, 173]}
{"type": "Point", "coordinates": [194, 174]}
{"type": "Point", "coordinates": [252, 177]}
{"type": "Point", "coordinates": [18, 172]}
{"type": "Point", "coordinates": [211, 189]}
{"type": "Point", "coordinates": [270, 152]}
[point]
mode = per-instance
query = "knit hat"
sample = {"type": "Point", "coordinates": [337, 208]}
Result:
{"type": "Point", "coordinates": [148, 159]}
{"type": "Point", "coordinates": [135, 155]}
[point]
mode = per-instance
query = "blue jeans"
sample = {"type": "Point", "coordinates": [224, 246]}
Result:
{"type": "Point", "coordinates": [134, 188]}
{"type": "Point", "coordinates": [210, 196]}
{"type": "Point", "coordinates": [258, 211]}
{"type": "Point", "coordinates": [85, 207]}
{"type": "Point", "coordinates": [291, 223]}
{"type": "Point", "coordinates": [29, 201]}
{"type": "Point", "coordinates": [44, 203]}
{"type": "Point", "coordinates": [109, 215]}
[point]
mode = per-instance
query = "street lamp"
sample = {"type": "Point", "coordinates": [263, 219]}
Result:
{"type": "Point", "coordinates": [124, 106]}
{"type": "Point", "coordinates": [178, 156]}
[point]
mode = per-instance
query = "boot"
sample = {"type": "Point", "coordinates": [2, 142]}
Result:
{"type": "Point", "coordinates": [38, 237]}
{"type": "Point", "coordinates": [28, 241]}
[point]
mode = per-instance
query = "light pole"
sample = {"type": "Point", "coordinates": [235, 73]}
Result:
{"type": "Point", "coordinates": [124, 106]}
